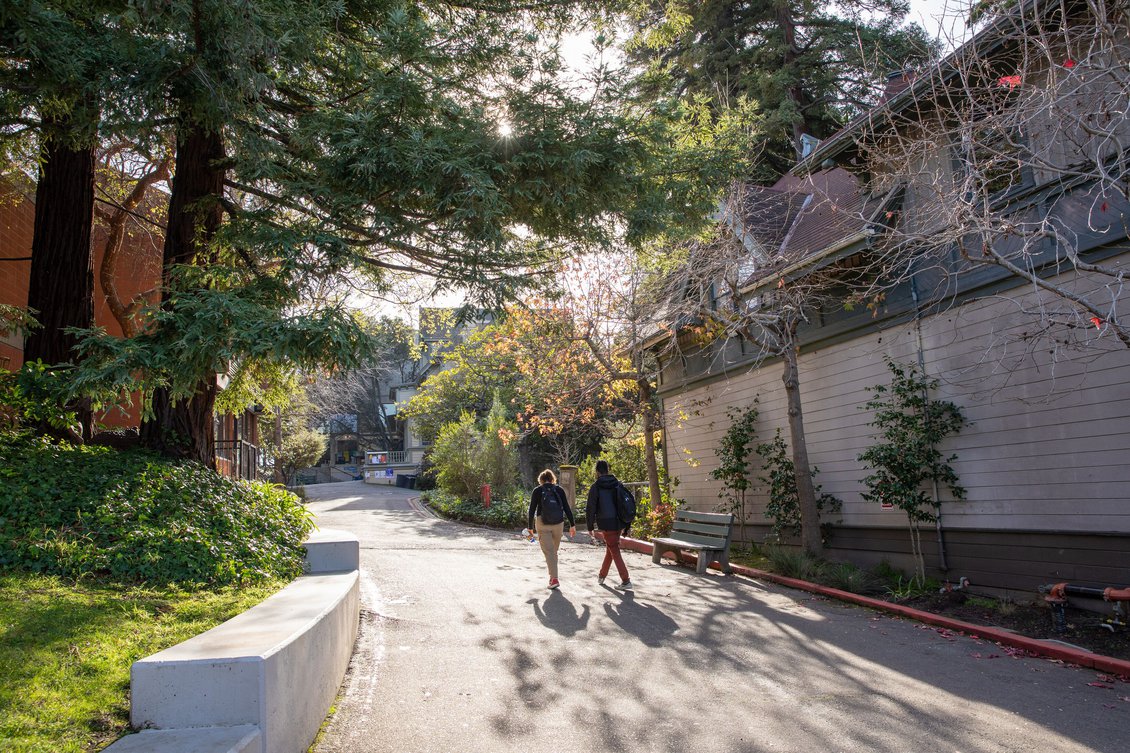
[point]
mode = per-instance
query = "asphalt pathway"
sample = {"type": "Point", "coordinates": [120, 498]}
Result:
{"type": "Point", "coordinates": [462, 648]}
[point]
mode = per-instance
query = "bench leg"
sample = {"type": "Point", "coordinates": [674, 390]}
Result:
{"type": "Point", "coordinates": [724, 561]}
{"type": "Point", "coordinates": [657, 553]}
{"type": "Point", "coordinates": [704, 560]}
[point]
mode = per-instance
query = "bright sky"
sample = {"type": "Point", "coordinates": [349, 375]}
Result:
{"type": "Point", "coordinates": [941, 18]}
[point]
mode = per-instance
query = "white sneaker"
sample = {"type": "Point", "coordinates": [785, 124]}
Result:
{"type": "Point", "coordinates": [600, 581]}
{"type": "Point", "coordinates": [625, 586]}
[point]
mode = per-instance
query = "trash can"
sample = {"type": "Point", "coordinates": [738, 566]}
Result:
{"type": "Point", "coordinates": [401, 481]}
{"type": "Point", "coordinates": [411, 481]}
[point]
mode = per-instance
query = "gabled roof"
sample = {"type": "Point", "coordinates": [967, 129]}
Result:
{"type": "Point", "coordinates": [915, 86]}
{"type": "Point", "coordinates": [800, 218]}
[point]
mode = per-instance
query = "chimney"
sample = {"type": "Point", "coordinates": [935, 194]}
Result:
{"type": "Point", "coordinates": [897, 81]}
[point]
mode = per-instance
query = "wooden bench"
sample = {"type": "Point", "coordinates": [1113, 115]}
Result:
{"type": "Point", "coordinates": [707, 533]}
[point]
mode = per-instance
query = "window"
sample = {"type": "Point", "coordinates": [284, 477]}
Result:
{"type": "Point", "coordinates": [993, 163]}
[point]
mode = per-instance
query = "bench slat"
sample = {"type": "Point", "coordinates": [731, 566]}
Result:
{"type": "Point", "coordinates": [705, 517]}
{"type": "Point", "coordinates": [705, 528]}
{"type": "Point", "coordinates": [680, 543]}
{"type": "Point", "coordinates": [709, 542]}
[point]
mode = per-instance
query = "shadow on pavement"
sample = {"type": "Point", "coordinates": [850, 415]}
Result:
{"type": "Point", "coordinates": [559, 614]}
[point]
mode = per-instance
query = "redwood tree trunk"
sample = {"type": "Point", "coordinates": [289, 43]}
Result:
{"type": "Point", "coordinates": [61, 285]}
{"type": "Point", "coordinates": [800, 97]}
{"type": "Point", "coordinates": [810, 538]}
{"type": "Point", "coordinates": [183, 428]}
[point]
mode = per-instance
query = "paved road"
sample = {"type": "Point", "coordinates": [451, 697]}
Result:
{"type": "Point", "coordinates": [462, 648]}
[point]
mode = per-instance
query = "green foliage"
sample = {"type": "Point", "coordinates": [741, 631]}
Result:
{"type": "Point", "coordinates": [654, 519]}
{"type": "Point", "coordinates": [779, 476]}
{"type": "Point", "coordinates": [219, 322]}
{"type": "Point", "coordinates": [507, 510]}
{"type": "Point", "coordinates": [15, 321]}
{"type": "Point", "coordinates": [734, 453]}
{"type": "Point", "coordinates": [129, 516]}
{"type": "Point", "coordinates": [624, 452]}
{"type": "Point", "coordinates": [793, 563]}
{"type": "Point", "coordinates": [36, 395]}
{"type": "Point", "coordinates": [499, 448]}
{"type": "Point", "coordinates": [911, 426]}
{"type": "Point", "coordinates": [466, 457]}
{"type": "Point", "coordinates": [300, 448]}
{"type": "Point", "coordinates": [472, 373]}
{"type": "Point", "coordinates": [896, 584]}
{"type": "Point", "coordinates": [847, 577]}
{"type": "Point", "coordinates": [738, 57]}
{"type": "Point", "coordinates": [66, 650]}
{"type": "Point", "coordinates": [457, 455]}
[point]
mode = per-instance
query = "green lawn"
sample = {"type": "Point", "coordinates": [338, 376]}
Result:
{"type": "Point", "coordinates": [66, 650]}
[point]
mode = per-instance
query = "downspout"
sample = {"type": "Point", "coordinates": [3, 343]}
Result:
{"type": "Point", "coordinates": [943, 565]}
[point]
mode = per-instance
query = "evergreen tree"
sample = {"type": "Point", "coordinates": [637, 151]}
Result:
{"type": "Point", "coordinates": [56, 64]}
{"type": "Point", "coordinates": [804, 67]}
{"type": "Point", "coordinates": [317, 142]}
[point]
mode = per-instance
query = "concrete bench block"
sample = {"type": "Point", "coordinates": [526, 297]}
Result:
{"type": "Point", "coordinates": [277, 666]}
{"type": "Point", "coordinates": [243, 739]}
{"type": "Point", "coordinates": [330, 551]}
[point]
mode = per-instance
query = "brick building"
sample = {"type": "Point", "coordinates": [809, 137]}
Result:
{"type": "Point", "coordinates": [137, 271]}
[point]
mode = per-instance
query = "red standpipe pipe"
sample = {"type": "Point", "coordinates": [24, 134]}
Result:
{"type": "Point", "coordinates": [1117, 594]}
{"type": "Point", "coordinates": [1059, 592]}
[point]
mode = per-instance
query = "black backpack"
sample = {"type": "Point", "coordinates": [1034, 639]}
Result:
{"type": "Point", "coordinates": [625, 506]}
{"type": "Point", "coordinates": [552, 511]}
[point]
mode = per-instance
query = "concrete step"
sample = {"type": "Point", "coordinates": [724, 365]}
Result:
{"type": "Point", "coordinates": [242, 739]}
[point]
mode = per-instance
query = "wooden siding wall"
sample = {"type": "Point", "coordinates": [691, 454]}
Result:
{"type": "Point", "coordinates": [1010, 563]}
{"type": "Point", "coordinates": [1046, 459]}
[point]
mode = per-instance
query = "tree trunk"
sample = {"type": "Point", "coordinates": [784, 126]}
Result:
{"type": "Point", "coordinates": [810, 538]}
{"type": "Point", "coordinates": [61, 285]}
{"type": "Point", "coordinates": [649, 442]}
{"type": "Point", "coordinates": [798, 95]}
{"type": "Point", "coordinates": [183, 428]}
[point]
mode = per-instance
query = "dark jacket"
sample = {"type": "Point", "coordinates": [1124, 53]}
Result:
{"type": "Point", "coordinates": [535, 505]}
{"type": "Point", "coordinates": [601, 505]}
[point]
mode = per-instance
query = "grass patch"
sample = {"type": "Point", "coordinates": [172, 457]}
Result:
{"type": "Point", "coordinates": [66, 650]}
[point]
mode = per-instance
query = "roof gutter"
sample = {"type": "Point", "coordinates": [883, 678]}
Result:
{"type": "Point", "coordinates": [798, 266]}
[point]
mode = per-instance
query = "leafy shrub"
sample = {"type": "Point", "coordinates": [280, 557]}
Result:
{"type": "Point", "coordinates": [896, 584]}
{"type": "Point", "coordinates": [906, 457]}
{"type": "Point", "coordinates": [793, 563]}
{"type": "Point", "coordinates": [36, 394]}
{"type": "Point", "coordinates": [457, 454]}
{"type": "Point", "coordinates": [735, 451]}
{"type": "Point", "coordinates": [779, 477]}
{"type": "Point", "coordinates": [134, 517]}
{"type": "Point", "coordinates": [506, 511]}
{"type": "Point", "coordinates": [847, 577]}
{"type": "Point", "coordinates": [654, 520]}
{"type": "Point", "coordinates": [466, 458]}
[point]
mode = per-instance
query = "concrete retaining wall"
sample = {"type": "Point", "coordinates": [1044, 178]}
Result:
{"type": "Point", "coordinates": [274, 669]}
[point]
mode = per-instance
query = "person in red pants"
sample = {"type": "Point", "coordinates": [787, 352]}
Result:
{"type": "Point", "coordinates": [604, 511]}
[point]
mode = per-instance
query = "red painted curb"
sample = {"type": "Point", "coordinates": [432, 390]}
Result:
{"type": "Point", "coordinates": [1041, 648]}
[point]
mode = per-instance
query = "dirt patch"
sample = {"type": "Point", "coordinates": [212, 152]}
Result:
{"type": "Point", "coordinates": [1084, 629]}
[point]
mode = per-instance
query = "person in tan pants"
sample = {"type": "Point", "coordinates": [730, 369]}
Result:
{"type": "Point", "coordinates": [550, 506]}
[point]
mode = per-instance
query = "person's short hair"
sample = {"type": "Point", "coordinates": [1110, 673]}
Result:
{"type": "Point", "coordinates": [602, 467]}
{"type": "Point", "coordinates": [547, 477]}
